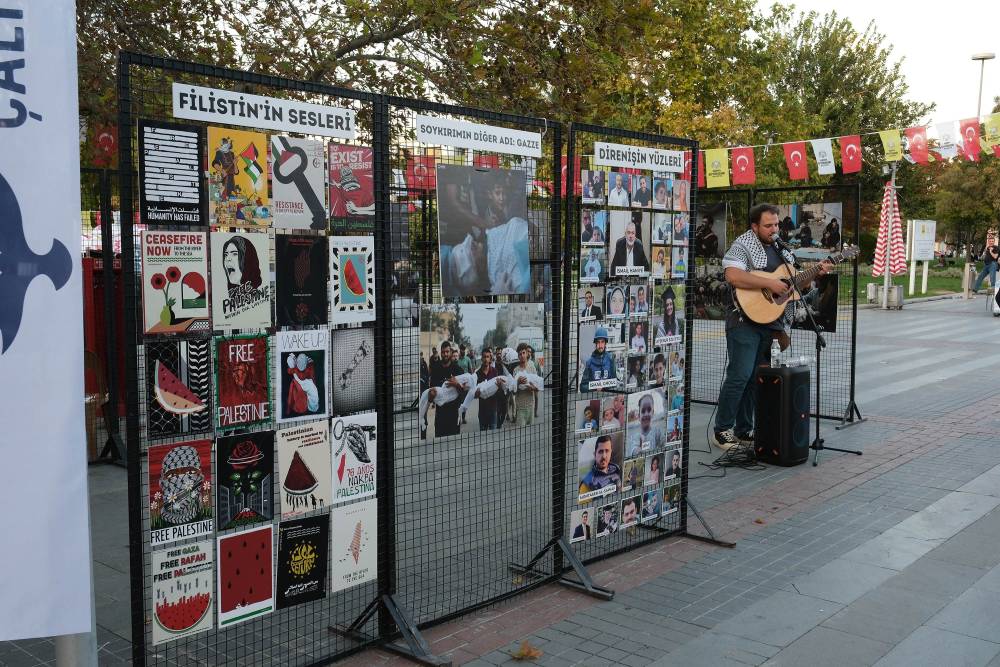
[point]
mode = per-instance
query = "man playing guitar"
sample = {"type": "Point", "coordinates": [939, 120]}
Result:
{"type": "Point", "coordinates": [747, 341]}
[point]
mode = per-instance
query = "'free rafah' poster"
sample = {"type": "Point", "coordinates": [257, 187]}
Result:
{"type": "Point", "coordinates": [352, 279]}
{"type": "Point", "coordinates": [298, 192]}
{"type": "Point", "coordinates": [355, 444]}
{"type": "Point", "coordinates": [302, 374]}
{"type": "Point", "coordinates": [241, 286]}
{"type": "Point", "coordinates": [354, 545]}
{"type": "Point", "coordinates": [183, 591]}
{"type": "Point", "coordinates": [245, 575]}
{"type": "Point", "coordinates": [352, 183]}
{"type": "Point", "coordinates": [303, 555]}
{"type": "Point", "coordinates": [237, 184]}
{"type": "Point", "coordinates": [242, 381]}
{"type": "Point", "coordinates": [300, 280]}
{"type": "Point", "coordinates": [180, 491]}
{"type": "Point", "coordinates": [304, 468]}
{"type": "Point", "coordinates": [174, 282]}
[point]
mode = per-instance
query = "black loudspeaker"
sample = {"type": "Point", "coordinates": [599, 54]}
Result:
{"type": "Point", "coordinates": [781, 430]}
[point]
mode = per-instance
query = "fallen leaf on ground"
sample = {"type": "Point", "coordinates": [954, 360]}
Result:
{"type": "Point", "coordinates": [760, 521]}
{"type": "Point", "coordinates": [527, 652]}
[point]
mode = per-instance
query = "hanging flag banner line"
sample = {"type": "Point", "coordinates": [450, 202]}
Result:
{"type": "Point", "coordinates": [478, 137]}
{"type": "Point", "coordinates": [638, 157]}
{"type": "Point", "coordinates": [257, 111]}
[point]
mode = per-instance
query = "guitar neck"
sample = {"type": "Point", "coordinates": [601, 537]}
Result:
{"type": "Point", "coordinates": [803, 278]}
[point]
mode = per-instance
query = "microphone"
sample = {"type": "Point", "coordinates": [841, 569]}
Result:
{"type": "Point", "coordinates": [776, 240]}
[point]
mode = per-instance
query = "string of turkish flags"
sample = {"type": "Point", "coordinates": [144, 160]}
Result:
{"type": "Point", "coordinates": [717, 166]}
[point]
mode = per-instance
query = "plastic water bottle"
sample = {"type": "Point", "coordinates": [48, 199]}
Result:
{"type": "Point", "coordinates": [775, 354]}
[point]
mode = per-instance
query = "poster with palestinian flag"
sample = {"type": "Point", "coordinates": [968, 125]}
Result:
{"type": "Point", "coordinates": [352, 279]}
{"type": "Point", "coordinates": [180, 491]}
{"type": "Point", "coordinates": [352, 183]}
{"type": "Point", "coordinates": [178, 387]}
{"type": "Point", "coordinates": [237, 183]}
{"type": "Point", "coordinates": [354, 545]}
{"type": "Point", "coordinates": [355, 445]}
{"type": "Point", "coordinates": [303, 556]}
{"type": "Point", "coordinates": [304, 468]}
{"type": "Point", "coordinates": [183, 591]}
{"type": "Point", "coordinates": [174, 282]}
{"type": "Point", "coordinates": [298, 183]}
{"type": "Point", "coordinates": [245, 575]}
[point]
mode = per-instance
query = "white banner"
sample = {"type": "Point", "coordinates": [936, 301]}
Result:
{"type": "Point", "coordinates": [271, 113]}
{"type": "Point", "coordinates": [473, 136]}
{"type": "Point", "coordinates": [823, 151]}
{"type": "Point", "coordinates": [924, 232]}
{"type": "Point", "coordinates": [638, 157]}
{"type": "Point", "coordinates": [45, 561]}
{"type": "Point", "coordinates": [946, 140]}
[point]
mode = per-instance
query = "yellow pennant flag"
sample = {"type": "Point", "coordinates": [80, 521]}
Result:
{"type": "Point", "coordinates": [717, 167]}
{"type": "Point", "coordinates": [991, 132]}
{"type": "Point", "coordinates": [892, 144]}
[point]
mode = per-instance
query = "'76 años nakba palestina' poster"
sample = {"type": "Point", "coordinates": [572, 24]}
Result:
{"type": "Point", "coordinates": [355, 444]}
{"type": "Point", "coordinates": [174, 282]}
{"type": "Point", "coordinates": [242, 381]}
{"type": "Point", "coordinates": [180, 491]}
{"type": "Point", "coordinates": [237, 162]}
{"type": "Point", "coordinates": [241, 286]}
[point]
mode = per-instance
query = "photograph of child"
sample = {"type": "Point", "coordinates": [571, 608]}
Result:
{"type": "Point", "coordinates": [588, 416]}
{"type": "Point", "coordinates": [645, 425]}
{"type": "Point", "coordinates": [640, 308]}
{"type": "Point", "coordinates": [636, 371]}
{"type": "Point", "coordinates": [654, 470]}
{"type": "Point", "coordinates": [675, 428]}
{"type": "Point", "coordinates": [657, 370]}
{"type": "Point", "coordinates": [593, 265]}
{"type": "Point", "coordinates": [613, 412]}
{"type": "Point", "coordinates": [593, 227]}
{"type": "Point", "coordinates": [678, 262]}
{"type": "Point", "coordinates": [661, 262]}
{"type": "Point", "coordinates": [638, 337]}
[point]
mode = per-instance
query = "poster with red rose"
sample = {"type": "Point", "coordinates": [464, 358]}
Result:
{"type": "Point", "coordinates": [245, 575]}
{"type": "Point", "coordinates": [180, 491]}
{"type": "Point", "coordinates": [174, 282]}
{"type": "Point", "coordinates": [244, 466]}
{"type": "Point", "coordinates": [242, 381]}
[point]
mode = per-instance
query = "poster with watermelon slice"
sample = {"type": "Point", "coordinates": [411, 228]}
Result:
{"type": "Point", "coordinates": [300, 280]}
{"type": "Point", "coordinates": [352, 185]}
{"type": "Point", "coordinates": [303, 558]}
{"type": "Point", "coordinates": [352, 279]}
{"type": "Point", "coordinates": [241, 282]}
{"type": "Point", "coordinates": [304, 468]}
{"type": "Point", "coordinates": [354, 545]}
{"type": "Point", "coordinates": [355, 445]}
{"type": "Point", "coordinates": [242, 381]}
{"type": "Point", "coordinates": [245, 575]}
{"type": "Point", "coordinates": [298, 183]}
{"type": "Point", "coordinates": [244, 474]}
{"type": "Point", "coordinates": [180, 491]}
{"type": "Point", "coordinates": [183, 591]}
{"type": "Point", "coordinates": [178, 387]}
{"type": "Point", "coordinates": [174, 282]}
{"type": "Point", "coordinates": [302, 374]}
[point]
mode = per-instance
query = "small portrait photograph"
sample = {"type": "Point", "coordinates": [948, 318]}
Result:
{"type": "Point", "coordinates": [710, 232]}
{"type": "Point", "coordinates": [668, 314]}
{"type": "Point", "coordinates": [636, 376]}
{"type": "Point", "coordinates": [675, 362]}
{"type": "Point", "coordinates": [657, 369]}
{"type": "Point", "coordinates": [663, 228]}
{"type": "Point", "coordinates": [630, 512]}
{"type": "Point", "coordinates": [613, 412]}
{"type": "Point", "coordinates": [682, 195]}
{"type": "Point", "coordinates": [593, 265]}
{"type": "Point", "coordinates": [675, 429]}
{"type": "Point", "coordinates": [651, 504]}
{"type": "Point", "coordinates": [595, 185]}
{"type": "Point", "coordinates": [672, 464]}
{"type": "Point", "coordinates": [644, 422]}
{"type": "Point", "coordinates": [642, 191]}
{"type": "Point", "coordinates": [621, 364]}
{"type": "Point", "coordinates": [633, 471]}
{"type": "Point", "coordinates": [607, 519]}
{"type": "Point", "coordinates": [671, 498]}
{"type": "Point", "coordinates": [599, 465]}
{"type": "Point", "coordinates": [590, 301]}
{"type": "Point", "coordinates": [617, 302]}
{"type": "Point", "coordinates": [580, 529]}
{"type": "Point", "coordinates": [681, 229]}
{"type": "Point", "coordinates": [620, 189]}
{"type": "Point", "coordinates": [639, 306]}
{"type": "Point", "coordinates": [678, 262]}
{"type": "Point", "coordinates": [628, 243]}
{"type": "Point", "coordinates": [638, 336]}
{"type": "Point", "coordinates": [588, 415]}
{"type": "Point", "coordinates": [654, 470]}
{"type": "Point", "coordinates": [675, 397]}
{"type": "Point", "coordinates": [660, 268]}
{"type": "Point", "coordinates": [593, 227]}
{"type": "Point", "coordinates": [662, 192]}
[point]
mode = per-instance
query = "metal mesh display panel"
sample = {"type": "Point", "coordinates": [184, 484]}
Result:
{"type": "Point", "coordinates": [569, 469]}
{"type": "Point", "coordinates": [838, 361]}
{"type": "Point", "coordinates": [299, 635]}
{"type": "Point", "coordinates": [471, 503]}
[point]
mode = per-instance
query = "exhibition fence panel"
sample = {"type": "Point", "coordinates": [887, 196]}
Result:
{"type": "Point", "coordinates": [815, 221]}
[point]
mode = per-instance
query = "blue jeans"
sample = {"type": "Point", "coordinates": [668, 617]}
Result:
{"type": "Point", "coordinates": [988, 268]}
{"type": "Point", "coordinates": [749, 346]}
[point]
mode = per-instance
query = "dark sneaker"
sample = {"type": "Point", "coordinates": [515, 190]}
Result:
{"type": "Point", "coordinates": [725, 440]}
{"type": "Point", "coordinates": [745, 438]}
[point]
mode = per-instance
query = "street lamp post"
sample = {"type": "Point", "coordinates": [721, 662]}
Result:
{"type": "Point", "coordinates": [982, 58]}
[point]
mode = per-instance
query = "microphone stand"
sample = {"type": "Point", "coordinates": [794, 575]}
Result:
{"type": "Point", "coordinates": [817, 444]}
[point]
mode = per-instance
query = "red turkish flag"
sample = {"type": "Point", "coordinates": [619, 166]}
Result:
{"type": "Point", "coordinates": [421, 174]}
{"type": "Point", "coordinates": [850, 154]}
{"type": "Point", "coordinates": [686, 175]}
{"type": "Point", "coordinates": [744, 170]}
{"type": "Point", "coordinates": [970, 139]}
{"type": "Point", "coordinates": [486, 161]}
{"type": "Point", "coordinates": [916, 139]}
{"type": "Point", "coordinates": [701, 169]}
{"type": "Point", "coordinates": [577, 187]}
{"type": "Point", "coordinates": [795, 158]}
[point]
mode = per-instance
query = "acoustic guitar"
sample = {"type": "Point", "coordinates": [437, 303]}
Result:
{"type": "Point", "coordinates": [763, 307]}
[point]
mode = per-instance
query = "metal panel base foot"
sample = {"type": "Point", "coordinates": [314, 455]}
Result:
{"type": "Point", "coordinates": [413, 645]}
{"type": "Point", "coordinates": [711, 538]}
{"type": "Point", "coordinates": [849, 417]}
{"type": "Point", "coordinates": [585, 583]}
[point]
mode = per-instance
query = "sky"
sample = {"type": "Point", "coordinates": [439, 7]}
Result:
{"type": "Point", "coordinates": [936, 43]}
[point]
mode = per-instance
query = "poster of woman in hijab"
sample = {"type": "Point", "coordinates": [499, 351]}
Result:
{"type": "Point", "coordinates": [241, 290]}
{"type": "Point", "coordinates": [482, 231]}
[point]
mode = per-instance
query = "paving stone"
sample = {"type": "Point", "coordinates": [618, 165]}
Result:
{"type": "Point", "coordinates": [975, 613]}
{"type": "Point", "coordinates": [842, 581]}
{"type": "Point", "coordinates": [932, 647]}
{"type": "Point", "coordinates": [826, 647]}
{"type": "Point", "coordinates": [780, 619]}
{"type": "Point", "coordinates": [715, 648]}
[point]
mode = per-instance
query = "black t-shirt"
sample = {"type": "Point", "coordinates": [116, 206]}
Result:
{"type": "Point", "coordinates": [735, 317]}
{"type": "Point", "coordinates": [990, 250]}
